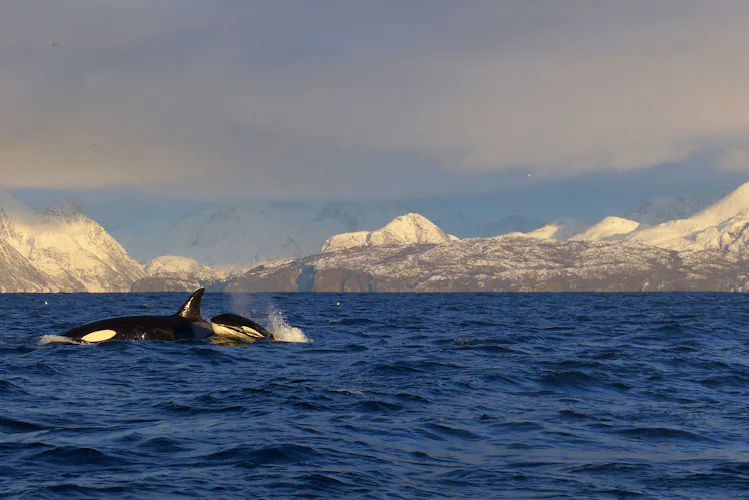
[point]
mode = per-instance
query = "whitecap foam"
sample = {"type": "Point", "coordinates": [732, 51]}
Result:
{"type": "Point", "coordinates": [282, 331]}
{"type": "Point", "coordinates": [56, 339]}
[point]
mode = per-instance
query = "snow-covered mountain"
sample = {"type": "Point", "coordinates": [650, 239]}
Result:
{"type": "Point", "coordinates": [722, 226]}
{"type": "Point", "coordinates": [475, 223]}
{"type": "Point", "coordinates": [241, 235]}
{"type": "Point", "coordinates": [244, 234]}
{"type": "Point", "coordinates": [19, 276]}
{"type": "Point", "coordinates": [662, 209]}
{"type": "Point", "coordinates": [409, 229]}
{"type": "Point", "coordinates": [69, 250]}
{"type": "Point", "coordinates": [610, 228]}
{"type": "Point", "coordinates": [64, 250]}
{"type": "Point", "coordinates": [504, 264]}
{"type": "Point", "coordinates": [562, 229]}
{"type": "Point", "coordinates": [175, 265]}
{"type": "Point", "coordinates": [173, 273]}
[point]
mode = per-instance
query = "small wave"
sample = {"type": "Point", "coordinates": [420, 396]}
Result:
{"type": "Point", "coordinates": [162, 445]}
{"type": "Point", "coordinates": [354, 321]}
{"type": "Point", "coordinates": [12, 426]}
{"type": "Point", "coordinates": [378, 406]}
{"type": "Point", "coordinates": [73, 456]}
{"type": "Point", "coordinates": [520, 426]}
{"type": "Point", "coordinates": [570, 379]}
{"type": "Point", "coordinates": [18, 349]}
{"type": "Point", "coordinates": [573, 415]}
{"type": "Point", "coordinates": [453, 431]}
{"type": "Point", "coordinates": [608, 468]}
{"type": "Point", "coordinates": [670, 327]}
{"type": "Point", "coordinates": [404, 396]}
{"type": "Point", "coordinates": [393, 369]}
{"type": "Point", "coordinates": [322, 481]}
{"type": "Point", "coordinates": [282, 331]}
{"type": "Point", "coordinates": [283, 454]}
{"type": "Point", "coordinates": [8, 386]}
{"type": "Point", "coordinates": [477, 323]}
{"type": "Point", "coordinates": [56, 339]}
{"type": "Point", "coordinates": [347, 391]}
{"type": "Point", "coordinates": [663, 433]}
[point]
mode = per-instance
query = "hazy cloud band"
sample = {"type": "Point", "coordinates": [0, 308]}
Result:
{"type": "Point", "coordinates": [299, 97]}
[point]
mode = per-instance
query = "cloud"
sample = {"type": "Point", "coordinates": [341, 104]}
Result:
{"type": "Point", "coordinates": [317, 98]}
{"type": "Point", "coordinates": [735, 159]}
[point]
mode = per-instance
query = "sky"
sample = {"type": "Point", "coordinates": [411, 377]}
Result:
{"type": "Point", "coordinates": [568, 105]}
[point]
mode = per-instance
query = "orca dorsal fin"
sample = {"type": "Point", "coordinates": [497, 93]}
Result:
{"type": "Point", "coordinates": [191, 308]}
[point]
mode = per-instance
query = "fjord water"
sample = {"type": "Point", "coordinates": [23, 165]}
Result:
{"type": "Point", "coordinates": [398, 396]}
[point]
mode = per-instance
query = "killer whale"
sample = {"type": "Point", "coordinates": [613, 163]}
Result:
{"type": "Point", "coordinates": [186, 324]}
{"type": "Point", "coordinates": [230, 328]}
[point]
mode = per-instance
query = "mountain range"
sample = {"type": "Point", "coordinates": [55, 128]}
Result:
{"type": "Point", "coordinates": [704, 251]}
{"type": "Point", "coordinates": [242, 235]}
{"type": "Point", "coordinates": [250, 247]}
{"type": "Point", "coordinates": [232, 235]}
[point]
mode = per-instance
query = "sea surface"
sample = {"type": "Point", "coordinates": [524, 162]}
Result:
{"type": "Point", "coordinates": [383, 396]}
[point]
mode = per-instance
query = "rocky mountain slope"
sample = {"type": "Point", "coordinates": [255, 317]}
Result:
{"type": "Point", "coordinates": [171, 273]}
{"type": "Point", "coordinates": [238, 235]}
{"type": "Point", "coordinates": [71, 252]}
{"type": "Point", "coordinates": [702, 252]}
{"type": "Point", "coordinates": [503, 264]}
{"type": "Point", "coordinates": [63, 250]}
{"type": "Point", "coordinates": [19, 276]}
{"type": "Point", "coordinates": [243, 234]}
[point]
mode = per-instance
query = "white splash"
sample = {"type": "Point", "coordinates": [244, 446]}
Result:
{"type": "Point", "coordinates": [282, 331]}
{"type": "Point", "coordinates": [56, 339]}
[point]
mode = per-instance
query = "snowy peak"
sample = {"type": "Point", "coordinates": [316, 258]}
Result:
{"type": "Point", "coordinates": [735, 204]}
{"type": "Point", "coordinates": [70, 212]}
{"type": "Point", "coordinates": [409, 229]}
{"type": "Point", "coordinates": [720, 226]}
{"type": "Point", "coordinates": [406, 229]}
{"type": "Point", "coordinates": [562, 229]}
{"type": "Point", "coordinates": [610, 228]}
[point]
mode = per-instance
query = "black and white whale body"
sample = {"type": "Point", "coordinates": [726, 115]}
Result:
{"type": "Point", "coordinates": [186, 324]}
{"type": "Point", "coordinates": [234, 328]}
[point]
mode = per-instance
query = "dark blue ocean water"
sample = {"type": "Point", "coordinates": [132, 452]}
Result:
{"type": "Point", "coordinates": [399, 396]}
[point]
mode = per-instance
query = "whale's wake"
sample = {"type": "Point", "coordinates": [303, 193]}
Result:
{"type": "Point", "coordinates": [56, 339]}
{"type": "Point", "coordinates": [282, 331]}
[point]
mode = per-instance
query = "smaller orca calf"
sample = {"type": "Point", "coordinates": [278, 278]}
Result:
{"type": "Point", "coordinates": [232, 328]}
